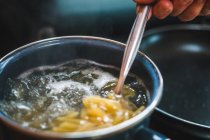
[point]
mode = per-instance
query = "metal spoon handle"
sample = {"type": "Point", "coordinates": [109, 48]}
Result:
{"type": "Point", "coordinates": [132, 46]}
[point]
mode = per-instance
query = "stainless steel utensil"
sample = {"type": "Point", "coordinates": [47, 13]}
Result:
{"type": "Point", "coordinates": [133, 44]}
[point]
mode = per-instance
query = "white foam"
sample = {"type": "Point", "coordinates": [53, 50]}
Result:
{"type": "Point", "coordinates": [30, 71]}
{"type": "Point", "coordinates": [47, 67]}
{"type": "Point", "coordinates": [23, 107]}
{"type": "Point", "coordinates": [104, 77]}
{"type": "Point", "coordinates": [58, 87]}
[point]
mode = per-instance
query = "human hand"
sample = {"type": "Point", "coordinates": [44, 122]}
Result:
{"type": "Point", "coordinates": [185, 10]}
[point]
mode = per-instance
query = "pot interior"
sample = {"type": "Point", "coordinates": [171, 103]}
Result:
{"type": "Point", "coordinates": [59, 50]}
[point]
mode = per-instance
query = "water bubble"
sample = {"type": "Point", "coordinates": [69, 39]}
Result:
{"type": "Point", "coordinates": [39, 95]}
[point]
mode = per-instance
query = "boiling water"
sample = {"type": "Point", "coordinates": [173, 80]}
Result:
{"type": "Point", "coordinates": [39, 95]}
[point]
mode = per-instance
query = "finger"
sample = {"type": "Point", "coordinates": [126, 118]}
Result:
{"type": "Point", "coordinates": [192, 11]}
{"type": "Point", "coordinates": [150, 14]}
{"type": "Point", "coordinates": [206, 9]}
{"type": "Point", "coordinates": [180, 6]}
{"type": "Point", "coordinates": [162, 9]}
{"type": "Point", "coordinates": [144, 1]}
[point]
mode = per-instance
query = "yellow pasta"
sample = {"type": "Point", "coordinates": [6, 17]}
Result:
{"type": "Point", "coordinates": [97, 112]}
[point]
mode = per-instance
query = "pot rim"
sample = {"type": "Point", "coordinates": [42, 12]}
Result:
{"type": "Point", "coordinates": [94, 133]}
{"type": "Point", "coordinates": [191, 27]}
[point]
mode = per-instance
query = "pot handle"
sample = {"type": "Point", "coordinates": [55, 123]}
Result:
{"type": "Point", "coordinates": [146, 133]}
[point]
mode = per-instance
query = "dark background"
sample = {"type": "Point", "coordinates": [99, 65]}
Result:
{"type": "Point", "coordinates": [24, 21]}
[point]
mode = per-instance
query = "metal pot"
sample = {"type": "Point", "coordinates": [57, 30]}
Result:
{"type": "Point", "coordinates": [61, 49]}
{"type": "Point", "coordinates": [182, 53]}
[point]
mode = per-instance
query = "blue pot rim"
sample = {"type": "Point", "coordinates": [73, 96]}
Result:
{"type": "Point", "coordinates": [94, 133]}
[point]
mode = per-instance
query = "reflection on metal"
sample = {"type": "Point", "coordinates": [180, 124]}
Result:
{"type": "Point", "coordinates": [4, 63]}
{"type": "Point", "coordinates": [192, 48]}
{"type": "Point", "coordinates": [154, 39]}
{"type": "Point", "coordinates": [132, 47]}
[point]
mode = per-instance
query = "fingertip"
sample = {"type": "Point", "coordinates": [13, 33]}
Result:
{"type": "Point", "coordinates": [206, 9]}
{"type": "Point", "coordinates": [162, 9]}
{"type": "Point", "coordinates": [192, 11]}
{"type": "Point", "coordinates": [180, 6]}
{"type": "Point", "coordinates": [150, 14]}
{"type": "Point", "coordinates": [205, 13]}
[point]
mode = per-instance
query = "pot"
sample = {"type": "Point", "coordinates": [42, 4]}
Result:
{"type": "Point", "coordinates": [57, 50]}
{"type": "Point", "coordinates": [182, 53]}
